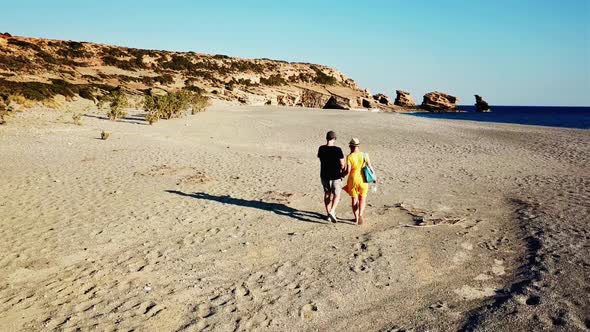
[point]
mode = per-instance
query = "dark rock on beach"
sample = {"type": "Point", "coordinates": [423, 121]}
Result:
{"type": "Point", "coordinates": [481, 105]}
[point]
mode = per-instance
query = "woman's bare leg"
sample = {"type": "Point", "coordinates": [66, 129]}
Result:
{"type": "Point", "coordinates": [355, 209]}
{"type": "Point", "coordinates": [362, 205]}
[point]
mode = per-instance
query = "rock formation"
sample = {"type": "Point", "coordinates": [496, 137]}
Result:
{"type": "Point", "coordinates": [404, 99]}
{"type": "Point", "coordinates": [382, 99]}
{"type": "Point", "coordinates": [338, 102]}
{"type": "Point", "coordinates": [314, 99]}
{"type": "Point", "coordinates": [481, 105]}
{"type": "Point", "coordinates": [439, 102]}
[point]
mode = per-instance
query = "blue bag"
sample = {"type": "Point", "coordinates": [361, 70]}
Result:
{"type": "Point", "coordinates": [368, 173]}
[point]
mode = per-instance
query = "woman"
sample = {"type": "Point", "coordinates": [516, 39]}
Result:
{"type": "Point", "coordinates": [356, 186]}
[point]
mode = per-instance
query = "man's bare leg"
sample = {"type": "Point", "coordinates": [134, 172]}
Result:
{"type": "Point", "coordinates": [335, 201]}
{"type": "Point", "coordinates": [328, 202]}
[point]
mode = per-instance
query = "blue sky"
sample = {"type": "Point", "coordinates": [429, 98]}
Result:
{"type": "Point", "coordinates": [517, 52]}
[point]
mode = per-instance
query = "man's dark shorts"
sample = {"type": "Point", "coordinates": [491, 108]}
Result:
{"type": "Point", "coordinates": [332, 186]}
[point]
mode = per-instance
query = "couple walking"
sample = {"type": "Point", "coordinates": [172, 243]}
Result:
{"type": "Point", "coordinates": [334, 168]}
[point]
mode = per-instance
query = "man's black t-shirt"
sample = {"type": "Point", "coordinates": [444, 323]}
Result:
{"type": "Point", "coordinates": [330, 162]}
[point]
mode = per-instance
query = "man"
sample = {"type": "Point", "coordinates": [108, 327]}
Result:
{"type": "Point", "coordinates": [332, 165]}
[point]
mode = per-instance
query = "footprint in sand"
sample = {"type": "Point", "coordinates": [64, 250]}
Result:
{"type": "Point", "coordinates": [467, 246]}
{"type": "Point", "coordinates": [483, 277]}
{"type": "Point", "coordinates": [498, 268]}
{"type": "Point", "coordinates": [460, 257]}
{"type": "Point", "coordinates": [308, 310]}
{"type": "Point", "coordinates": [472, 293]}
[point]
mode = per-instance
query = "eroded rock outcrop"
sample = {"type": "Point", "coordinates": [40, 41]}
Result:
{"type": "Point", "coordinates": [314, 99]}
{"type": "Point", "coordinates": [287, 100]}
{"type": "Point", "coordinates": [481, 105]}
{"type": "Point", "coordinates": [382, 99]}
{"type": "Point", "coordinates": [338, 102]}
{"type": "Point", "coordinates": [404, 99]}
{"type": "Point", "coordinates": [439, 102]}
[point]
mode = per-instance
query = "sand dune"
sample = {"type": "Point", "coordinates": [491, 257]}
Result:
{"type": "Point", "coordinates": [212, 222]}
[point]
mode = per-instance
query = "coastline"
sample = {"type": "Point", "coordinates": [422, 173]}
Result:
{"type": "Point", "coordinates": [211, 220]}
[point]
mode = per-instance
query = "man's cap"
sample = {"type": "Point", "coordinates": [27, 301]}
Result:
{"type": "Point", "coordinates": [354, 142]}
{"type": "Point", "coordinates": [330, 135]}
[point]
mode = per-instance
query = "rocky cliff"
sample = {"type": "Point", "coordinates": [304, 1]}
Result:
{"type": "Point", "coordinates": [40, 69]}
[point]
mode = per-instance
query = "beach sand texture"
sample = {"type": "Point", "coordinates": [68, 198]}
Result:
{"type": "Point", "coordinates": [214, 222]}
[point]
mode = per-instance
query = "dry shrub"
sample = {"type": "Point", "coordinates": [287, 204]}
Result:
{"type": "Point", "coordinates": [3, 109]}
{"type": "Point", "coordinates": [21, 100]}
{"type": "Point", "coordinates": [104, 135]}
{"type": "Point", "coordinates": [152, 117]}
{"type": "Point", "coordinates": [52, 103]}
{"type": "Point", "coordinates": [118, 102]}
{"type": "Point", "coordinates": [174, 104]}
{"type": "Point", "coordinates": [77, 118]}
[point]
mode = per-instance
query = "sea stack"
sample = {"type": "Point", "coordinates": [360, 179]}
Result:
{"type": "Point", "coordinates": [481, 105]}
{"type": "Point", "coordinates": [404, 99]}
{"type": "Point", "coordinates": [439, 102]}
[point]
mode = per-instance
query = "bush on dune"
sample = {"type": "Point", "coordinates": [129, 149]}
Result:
{"type": "Point", "coordinates": [77, 118]}
{"type": "Point", "coordinates": [41, 92]}
{"type": "Point", "coordinates": [117, 103]}
{"type": "Point", "coordinates": [3, 109]}
{"type": "Point", "coordinates": [323, 78]}
{"type": "Point", "coordinates": [173, 105]}
{"type": "Point", "coordinates": [275, 79]}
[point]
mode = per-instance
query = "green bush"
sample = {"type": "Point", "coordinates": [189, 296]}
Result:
{"type": "Point", "coordinates": [245, 66]}
{"type": "Point", "coordinates": [13, 63]}
{"type": "Point", "coordinates": [39, 91]}
{"type": "Point", "coordinates": [24, 44]}
{"type": "Point", "coordinates": [118, 102]}
{"type": "Point", "coordinates": [48, 58]}
{"type": "Point", "coordinates": [173, 105]}
{"type": "Point", "coordinates": [3, 109]}
{"type": "Point", "coordinates": [77, 118]}
{"type": "Point", "coordinates": [323, 78]}
{"type": "Point", "coordinates": [194, 88]}
{"type": "Point", "coordinates": [87, 93]}
{"type": "Point", "coordinates": [122, 64]}
{"type": "Point", "coordinates": [164, 79]}
{"type": "Point", "coordinates": [113, 51]}
{"type": "Point", "coordinates": [275, 79]}
{"type": "Point", "coordinates": [179, 62]}
{"type": "Point", "coordinates": [73, 53]}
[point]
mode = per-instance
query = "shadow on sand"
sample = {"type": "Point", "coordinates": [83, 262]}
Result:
{"type": "Point", "coordinates": [278, 208]}
{"type": "Point", "coordinates": [135, 119]}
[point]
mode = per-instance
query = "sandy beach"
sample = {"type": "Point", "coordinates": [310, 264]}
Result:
{"type": "Point", "coordinates": [214, 222]}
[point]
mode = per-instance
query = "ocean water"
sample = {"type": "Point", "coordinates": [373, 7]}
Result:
{"type": "Point", "coordinates": [566, 117]}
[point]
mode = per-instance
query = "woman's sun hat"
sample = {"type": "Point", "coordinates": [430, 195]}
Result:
{"type": "Point", "coordinates": [354, 142]}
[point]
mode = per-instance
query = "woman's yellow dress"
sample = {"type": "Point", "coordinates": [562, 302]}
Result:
{"type": "Point", "coordinates": [355, 184]}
